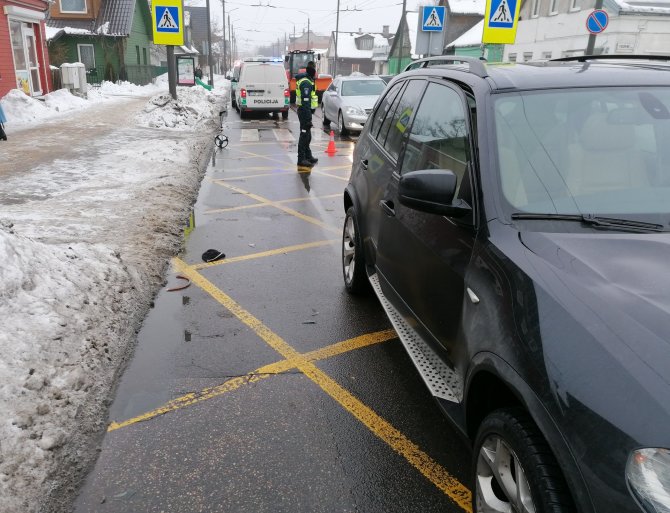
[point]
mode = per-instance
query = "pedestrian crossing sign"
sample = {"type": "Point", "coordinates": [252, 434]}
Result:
{"type": "Point", "coordinates": [433, 18]}
{"type": "Point", "coordinates": [500, 21]}
{"type": "Point", "coordinates": [167, 23]}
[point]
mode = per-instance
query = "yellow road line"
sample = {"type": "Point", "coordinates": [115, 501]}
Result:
{"type": "Point", "coordinates": [432, 470]}
{"type": "Point", "coordinates": [279, 206]}
{"type": "Point", "coordinates": [262, 254]}
{"type": "Point", "coordinates": [280, 172]}
{"type": "Point", "coordinates": [258, 205]}
{"type": "Point", "coordinates": [322, 173]}
{"type": "Point", "coordinates": [255, 376]}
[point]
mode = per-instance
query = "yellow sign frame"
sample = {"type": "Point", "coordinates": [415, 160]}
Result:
{"type": "Point", "coordinates": [499, 35]}
{"type": "Point", "coordinates": [167, 38]}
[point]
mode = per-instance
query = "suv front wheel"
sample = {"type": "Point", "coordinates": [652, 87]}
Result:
{"type": "Point", "coordinates": [353, 260]}
{"type": "Point", "coordinates": [515, 469]}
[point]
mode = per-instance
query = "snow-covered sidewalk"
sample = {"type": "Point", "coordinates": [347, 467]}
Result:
{"type": "Point", "coordinates": [93, 200]}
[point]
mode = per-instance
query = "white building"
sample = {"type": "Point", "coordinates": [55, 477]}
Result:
{"type": "Point", "coordinates": [549, 29]}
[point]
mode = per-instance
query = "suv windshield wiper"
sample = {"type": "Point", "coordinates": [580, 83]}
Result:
{"type": "Point", "coordinates": [597, 222]}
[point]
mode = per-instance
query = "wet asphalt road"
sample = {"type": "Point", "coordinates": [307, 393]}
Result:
{"type": "Point", "coordinates": [263, 386]}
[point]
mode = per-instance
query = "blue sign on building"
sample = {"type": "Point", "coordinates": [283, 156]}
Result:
{"type": "Point", "coordinates": [433, 18]}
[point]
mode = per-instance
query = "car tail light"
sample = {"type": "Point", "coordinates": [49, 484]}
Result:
{"type": "Point", "coordinates": [287, 96]}
{"type": "Point", "coordinates": [243, 92]}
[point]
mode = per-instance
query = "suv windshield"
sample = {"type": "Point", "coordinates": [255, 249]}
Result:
{"type": "Point", "coordinates": [596, 151]}
{"type": "Point", "coordinates": [363, 87]}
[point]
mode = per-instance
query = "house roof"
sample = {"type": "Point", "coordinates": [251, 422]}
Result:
{"type": "Point", "coordinates": [346, 45]}
{"type": "Point", "coordinates": [472, 37]}
{"type": "Point", "coordinates": [114, 19]}
{"type": "Point", "coordinates": [467, 6]}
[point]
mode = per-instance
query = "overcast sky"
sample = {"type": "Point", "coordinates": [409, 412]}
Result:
{"type": "Point", "coordinates": [262, 25]}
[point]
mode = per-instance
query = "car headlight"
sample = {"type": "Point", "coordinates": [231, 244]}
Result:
{"type": "Point", "coordinates": [648, 475]}
{"type": "Point", "coordinates": [355, 111]}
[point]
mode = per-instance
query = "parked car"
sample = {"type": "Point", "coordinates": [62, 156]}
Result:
{"type": "Point", "coordinates": [262, 87]}
{"type": "Point", "coordinates": [514, 223]}
{"type": "Point", "coordinates": [349, 100]}
{"type": "Point", "coordinates": [235, 78]}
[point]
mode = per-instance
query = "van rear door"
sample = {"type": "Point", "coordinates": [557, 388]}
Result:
{"type": "Point", "coordinates": [266, 84]}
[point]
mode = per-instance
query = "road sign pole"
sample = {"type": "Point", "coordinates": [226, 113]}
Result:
{"type": "Point", "coordinates": [592, 38]}
{"type": "Point", "coordinates": [430, 44]}
{"type": "Point", "coordinates": [172, 71]}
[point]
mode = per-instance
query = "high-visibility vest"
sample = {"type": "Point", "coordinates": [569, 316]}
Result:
{"type": "Point", "coordinates": [314, 99]}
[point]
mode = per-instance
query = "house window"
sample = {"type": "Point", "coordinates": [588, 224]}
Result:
{"type": "Point", "coordinates": [527, 56]}
{"type": "Point", "coordinates": [512, 57]}
{"type": "Point", "coordinates": [24, 51]}
{"type": "Point", "coordinates": [86, 56]}
{"type": "Point", "coordinates": [535, 12]}
{"type": "Point", "coordinates": [144, 56]}
{"type": "Point", "coordinates": [137, 51]}
{"type": "Point", "coordinates": [355, 67]}
{"type": "Point", "coordinates": [553, 8]}
{"type": "Point", "coordinates": [365, 43]}
{"type": "Point", "coordinates": [546, 55]}
{"type": "Point", "coordinates": [74, 6]}
{"type": "Point", "coordinates": [574, 5]}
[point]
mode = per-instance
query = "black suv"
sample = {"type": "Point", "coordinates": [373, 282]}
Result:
{"type": "Point", "coordinates": [513, 221]}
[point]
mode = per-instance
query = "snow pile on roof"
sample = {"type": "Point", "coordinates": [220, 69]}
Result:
{"type": "Point", "coordinates": [467, 6]}
{"type": "Point", "coordinates": [193, 106]}
{"type": "Point", "coordinates": [472, 37]}
{"type": "Point", "coordinates": [346, 45]}
{"type": "Point", "coordinates": [644, 6]}
{"type": "Point", "coordinates": [52, 32]}
{"type": "Point", "coordinates": [103, 29]}
{"type": "Point", "coordinates": [48, 364]}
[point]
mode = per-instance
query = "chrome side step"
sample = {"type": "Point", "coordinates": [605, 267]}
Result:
{"type": "Point", "coordinates": [440, 379]}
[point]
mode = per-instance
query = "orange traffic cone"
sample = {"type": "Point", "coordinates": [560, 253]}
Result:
{"type": "Point", "coordinates": [331, 150]}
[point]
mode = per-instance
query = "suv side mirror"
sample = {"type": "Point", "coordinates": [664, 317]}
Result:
{"type": "Point", "coordinates": [432, 191]}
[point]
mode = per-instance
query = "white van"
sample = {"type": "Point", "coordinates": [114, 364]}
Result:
{"type": "Point", "coordinates": [262, 87]}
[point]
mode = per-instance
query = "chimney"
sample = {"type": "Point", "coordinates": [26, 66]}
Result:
{"type": "Point", "coordinates": [360, 30]}
{"type": "Point", "coordinates": [385, 31]}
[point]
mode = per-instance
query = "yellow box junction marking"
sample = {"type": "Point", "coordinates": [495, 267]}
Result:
{"type": "Point", "coordinates": [254, 376]}
{"type": "Point", "coordinates": [278, 205]}
{"type": "Point", "coordinates": [430, 469]}
{"type": "Point", "coordinates": [259, 205]}
{"type": "Point", "coordinates": [271, 252]}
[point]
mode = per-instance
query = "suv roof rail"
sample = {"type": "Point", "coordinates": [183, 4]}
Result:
{"type": "Point", "coordinates": [584, 58]}
{"type": "Point", "coordinates": [475, 65]}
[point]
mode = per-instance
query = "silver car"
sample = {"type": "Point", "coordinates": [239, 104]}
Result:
{"type": "Point", "coordinates": [349, 100]}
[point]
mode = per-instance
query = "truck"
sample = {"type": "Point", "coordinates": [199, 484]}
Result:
{"type": "Point", "coordinates": [296, 62]}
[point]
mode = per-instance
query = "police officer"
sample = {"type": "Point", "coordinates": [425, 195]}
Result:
{"type": "Point", "coordinates": [307, 102]}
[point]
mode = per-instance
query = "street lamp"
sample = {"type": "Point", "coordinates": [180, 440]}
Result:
{"type": "Point", "coordinates": [306, 13]}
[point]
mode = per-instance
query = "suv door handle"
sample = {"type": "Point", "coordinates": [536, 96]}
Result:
{"type": "Point", "coordinates": [364, 163]}
{"type": "Point", "coordinates": [387, 207]}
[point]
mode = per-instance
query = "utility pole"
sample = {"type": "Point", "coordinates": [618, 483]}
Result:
{"type": "Point", "coordinates": [209, 47]}
{"type": "Point", "coordinates": [337, 32]}
{"type": "Point", "coordinates": [403, 20]}
{"type": "Point", "coordinates": [307, 32]}
{"type": "Point", "coordinates": [230, 37]}
{"type": "Point", "coordinates": [225, 63]}
{"type": "Point", "coordinates": [592, 37]}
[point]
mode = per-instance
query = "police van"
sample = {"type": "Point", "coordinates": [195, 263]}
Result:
{"type": "Point", "coordinates": [262, 87]}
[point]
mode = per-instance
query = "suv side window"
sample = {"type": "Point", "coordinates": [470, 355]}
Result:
{"type": "Point", "coordinates": [383, 108]}
{"type": "Point", "coordinates": [439, 137]}
{"type": "Point", "coordinates": [402, 117]}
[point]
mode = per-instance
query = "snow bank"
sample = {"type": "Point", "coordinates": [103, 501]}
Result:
{"type": "Point", "coordinates": [63, 101]}
{"type": "Point", "coordinates": [21, 108]}
{"type": "Point", "coordinates": [193, 105]}
{"type": "Point", "coordinates": [49, 298]}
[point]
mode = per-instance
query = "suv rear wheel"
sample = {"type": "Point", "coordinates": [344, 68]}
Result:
{"type": "Point", "coordinates": [353, 259]}
{"type": "Point", "coordinates": [515, 469]}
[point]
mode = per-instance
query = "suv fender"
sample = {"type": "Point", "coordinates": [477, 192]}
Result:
{"type": "Point", "coordinates": [489, 363]}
